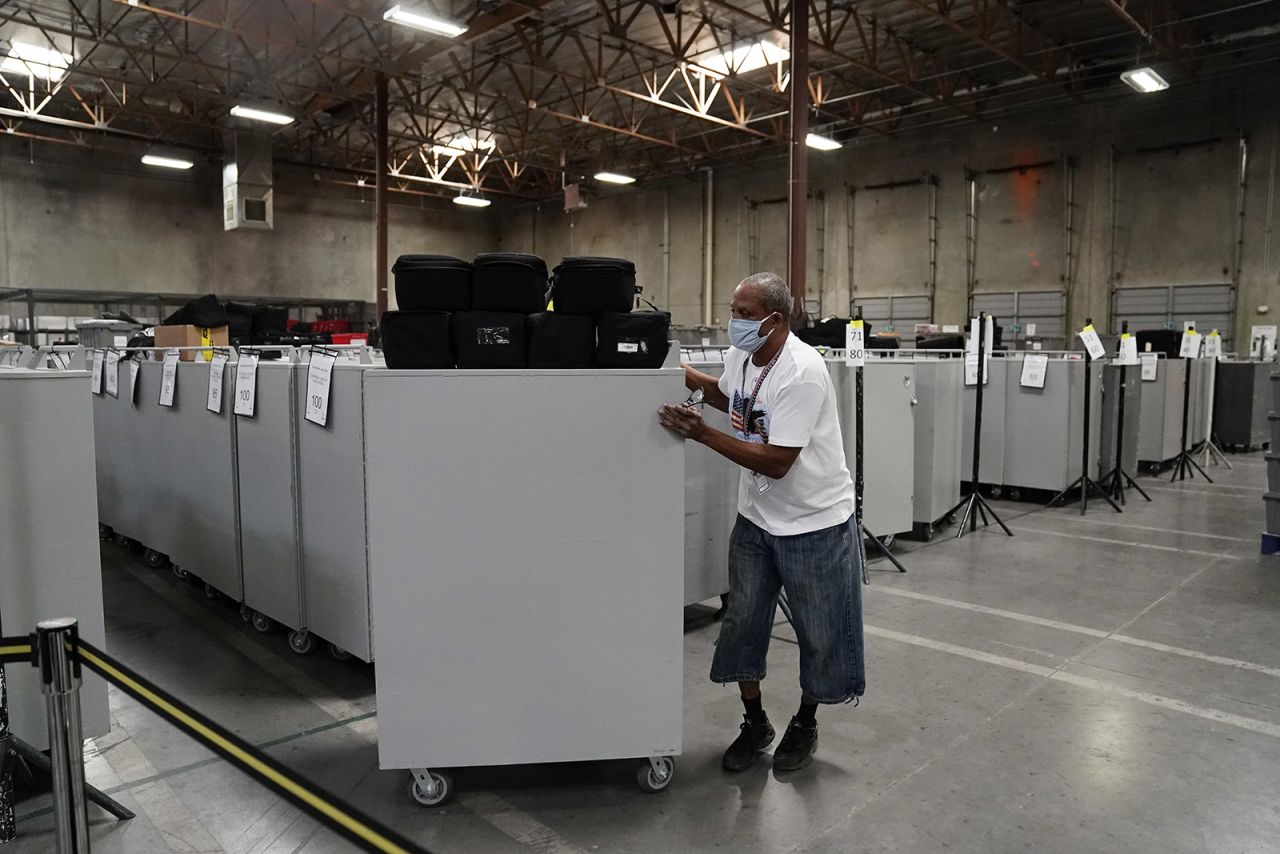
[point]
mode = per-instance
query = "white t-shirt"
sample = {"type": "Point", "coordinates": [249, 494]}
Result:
{"type": "Point", "coordinates": [796, 408]}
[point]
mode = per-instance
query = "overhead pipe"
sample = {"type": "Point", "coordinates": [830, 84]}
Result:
{"type": "Point", "coordinates": [798, 171]}
{"type": "Point", "coordinates": [380, 194]}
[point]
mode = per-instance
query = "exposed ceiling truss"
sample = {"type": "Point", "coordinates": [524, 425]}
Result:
{"type": "Point", "coordinates": [537, 92]}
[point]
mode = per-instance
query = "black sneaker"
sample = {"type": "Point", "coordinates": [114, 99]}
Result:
{"type": "Point", "coordinates": [753, 739]}
{"type": "Point", "coordinates": [795, 751]}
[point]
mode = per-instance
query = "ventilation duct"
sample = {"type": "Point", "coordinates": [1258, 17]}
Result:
{"type": "Point", "coordinates": [246, 180]}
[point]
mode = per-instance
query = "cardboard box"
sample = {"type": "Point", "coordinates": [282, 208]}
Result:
{"type": "Point", "coordinates": [191, 336]}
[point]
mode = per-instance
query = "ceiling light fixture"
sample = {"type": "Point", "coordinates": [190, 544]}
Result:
{"type": "Point", "coordinates": [614, 178]}
{"type": "Point", "coordinates": [822, 143]}
{"type": "Point", "coordinates": [166, 161]}
{"type": "Point", "coordinates": [423, 20]}
{"type": "Point", "coordinates": [1144, 80]}
{"type": "Point", "coordinates": [448, 150]}
{"type": "Point", "coordinates": [471, 201]}
{"type": "Point", "coordinates": [31, 60]}
{"type": "Point", "coordinates": [259, 115]}
{"type": "Point", "coordinates": [745, 58]}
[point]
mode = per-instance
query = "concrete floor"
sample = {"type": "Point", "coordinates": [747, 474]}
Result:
{"type": "Point", "coordinates": [1105, 683]}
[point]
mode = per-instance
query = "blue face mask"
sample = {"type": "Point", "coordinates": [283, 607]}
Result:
{"type": "Point", "coordinates": [745, 334]}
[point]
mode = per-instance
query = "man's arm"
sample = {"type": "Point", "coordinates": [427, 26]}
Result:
{"type": "Point", "coordinates": [772, 461]}
{"type": "Point", "coordinates": [711, 393]}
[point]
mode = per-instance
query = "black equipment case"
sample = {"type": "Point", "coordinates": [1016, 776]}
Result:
{"type": "Point", "coordinates": [432, 283]}
{"type": "Point", "coordinates": [592, 286]}
{"type": "Point", "coordinates": [633, 339]}
{"type": "Point", "coordinates": [508, 282]}
{"type": "Point", "coordinates": [490, 339]}
{"type": "Point", "coordinates": [558, 340]}
{"type": "Point", "coordinates": [417, 339]}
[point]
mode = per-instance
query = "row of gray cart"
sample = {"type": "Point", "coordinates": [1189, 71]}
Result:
{"type": "Point", "coordinates": [267, 510]}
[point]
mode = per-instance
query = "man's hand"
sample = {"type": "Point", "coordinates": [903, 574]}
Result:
{"type": "Point", "coordinates": [683, 421]}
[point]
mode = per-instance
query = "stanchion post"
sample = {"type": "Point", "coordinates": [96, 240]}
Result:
{"type": "Point", "coordinates": [8, 821]}
{"type": "Point", "coordinates": [56, 642]}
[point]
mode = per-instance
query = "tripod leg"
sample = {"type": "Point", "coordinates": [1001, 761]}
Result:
{"type": "Point", "coordinates": [1134, 484]}
{"type": "Point", "coordinates": [40, 761]}
{"type": "Point", "coordinates": [1095, 487]}
{"type": "Point", "coordinates": [964, 520]}
{"type": "Point", "coordinates": [875, 541]}
{"type": "Point", "coordinates": [1202, 471]}
{"type": "Point", "coordinates": [1064, 493]}
{"type": "Point", "coordinates": [998, 521]}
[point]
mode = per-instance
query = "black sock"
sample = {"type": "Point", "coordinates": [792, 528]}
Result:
{"type": "Point", "coordinates": [755, 711]}
{"type": "Point", "coordinates": [808, 713]}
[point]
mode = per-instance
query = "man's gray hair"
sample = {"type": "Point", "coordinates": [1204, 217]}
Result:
{"type": "Point", "coordinates": [774, 293]}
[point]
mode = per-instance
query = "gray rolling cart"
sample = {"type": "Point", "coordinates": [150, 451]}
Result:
{"type": "Point", "coordinates": [187, 478]}
{"type": "Point", "coordinates": [271, 554]}
{"type": "Point", "coordinates": [1044, 428]}
{"type": "Point", "coordinates": [889, 424]}
{"type": "Point", "coordinates": [1242, 399]}
{"type": "Point", "coordinates": [1160, 427]}
{"type": "Point", "coordinates": [532, 523]}
{"type": "Point", "coordinates": [994, 396]}
{"type": "Point", "coordinates": [938, 384]}
{"type": "Point", "coordinates": [49, 564]}
{"type": "Point", "coordinates": [332, 511]}
{"type": "Point", "coordinates": [710, 502]}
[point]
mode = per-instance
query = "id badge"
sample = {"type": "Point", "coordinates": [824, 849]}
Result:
{"type": "Point", "coordinates": [762, 483]}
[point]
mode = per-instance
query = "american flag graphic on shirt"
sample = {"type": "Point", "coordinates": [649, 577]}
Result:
{"type": "Point", "coordinates": [759, 432]}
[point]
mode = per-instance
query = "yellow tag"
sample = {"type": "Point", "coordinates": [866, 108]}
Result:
{"type": "Point", "coordinates": [856, 324]}
{"type": "Point", "coordinates": [1124, 335]}
{"type": "Point", "coordinates": [206, 339]}
{"type": "Point", "coordinates": [1087, 328]}
{"type": "Point", "coordinates": [551, 305]}
{"type": "Point", "coordinates": [1214, 332]}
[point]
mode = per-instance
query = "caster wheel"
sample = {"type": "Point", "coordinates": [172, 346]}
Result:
{"type": "Point", "coordinates": [153, 558]}
{"type": "Point", "coordinates": [443, 789]}
{"type": "Point", "coordinates": [337, 653]}
{"type": "Point", "coordinates": [246, 613]}
{"type": "Point", "coordinates": [180, 572]}
{"type": "Point", "coordinates": [104, 533]}
{"type": "Point", "coordinates": [211, 593]}
{"type": "Point", "coordinates": [121, 540]}
{"type": "Point", "coordinates": [302, 641]}
{"type": "Point", "coordinates": [928, 532]}
{"type": "Point", "coordinates": [996, 492]}
{"type": "Point", "coordinates": [1015, 495]}
{"type": "Point", "coordinates": [654, 776]}
{"type": "Point", "coordinates": [951, 519]}
{"type": "Point", "coordinates": [262, 622]}
{"type": "Point", "coordinates": [888, 541]}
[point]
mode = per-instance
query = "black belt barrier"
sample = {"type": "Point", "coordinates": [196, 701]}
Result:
{"type": "Point", "coordinates": [351, 823]}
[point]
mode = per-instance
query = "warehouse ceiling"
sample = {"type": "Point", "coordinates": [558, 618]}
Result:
{"type": "Point", "coordinates": [538, 92]}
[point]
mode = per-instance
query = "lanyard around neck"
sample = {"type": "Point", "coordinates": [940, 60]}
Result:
{"type": "Point", "coordinates": [749, 403]}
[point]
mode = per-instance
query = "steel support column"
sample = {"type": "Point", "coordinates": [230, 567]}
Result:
{"type": "Point", "coordinates": [380, 194]}
{"type": "Point", "coordinates": [798, 167]}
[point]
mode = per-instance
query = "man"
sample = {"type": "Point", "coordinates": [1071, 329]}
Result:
{"type": "Point", "coordinates": [794, 531]}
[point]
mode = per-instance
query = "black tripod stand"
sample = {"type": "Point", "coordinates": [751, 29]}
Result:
{"type": "Point", "coordinates": [1084, 482]}
{"type": "Point", "coordinates": [858, 387]}
{"type": "Point", "coordinates": [1184, 462]}
{"type": "Point", "coordinates": [1114, 481]}
{"type": "Point", "coordinates": [975, 501]}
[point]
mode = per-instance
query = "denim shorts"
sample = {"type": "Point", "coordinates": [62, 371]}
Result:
{"type": "Point", "coordinates": [821, 573]}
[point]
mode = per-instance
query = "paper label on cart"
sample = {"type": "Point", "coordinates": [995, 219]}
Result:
{"type": "Point", "coordinates": [1034, 368]}
{"type": "Point", "coordinates": [1190, 348]}
{"type": "Point", "coordinates": [111, 375]}
{"type": "Point", "coordinates": [628, 347]}
{"type": "Point", "coordinates": [1092, 343]}
{"type": "Point", "coordinates": [762, 482]}
{"type": "Point", "coordinates": [217, 370]}
{"type": "Point", "coordinates": [95, 372]}
{"type": "Point", "coordinates": [319, 374]}
{"type": "Point", "coordinates": [246, 384]}
{"type": "Point", "coordinates": [168, 377]}
{"type": "Point", "coordinates": [1213, 345]}
{"type": "Point", "coordinates": [134, 367]}
{"type": "Point", "coordinates": [855, 344]}
{"type": "Point", "coordinates": [1128, 350]}
{"type": "Point", "coordinates": [971, 369]}
{"type": "Point", "coordinates": [1150, 367]}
